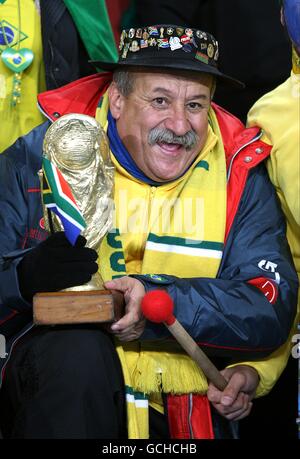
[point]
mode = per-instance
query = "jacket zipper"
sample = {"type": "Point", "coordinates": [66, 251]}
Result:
{"type": "Point", "coordinates": [190, 404]}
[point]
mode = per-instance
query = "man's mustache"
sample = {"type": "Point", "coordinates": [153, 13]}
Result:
{"type": "Point", "coordinates": [160, 135]}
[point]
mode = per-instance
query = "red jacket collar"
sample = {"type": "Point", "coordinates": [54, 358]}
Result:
{"type": "Point", "coordinates": [80, 96]}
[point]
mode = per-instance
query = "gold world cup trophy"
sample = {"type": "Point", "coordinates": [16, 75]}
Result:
{"type": "Point", "coordinates": [78, 147]}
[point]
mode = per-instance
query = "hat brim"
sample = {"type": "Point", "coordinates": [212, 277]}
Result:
{"type": "Point", "coordinates": [172, 64]}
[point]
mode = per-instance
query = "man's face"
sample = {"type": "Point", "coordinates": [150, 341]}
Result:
{"type": "Point", "coordinates": [151, 120]}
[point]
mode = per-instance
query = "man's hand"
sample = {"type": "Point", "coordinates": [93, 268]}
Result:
{"type": "Point", "coordinates": [132, 324]}
{"type": "Point", "coordinates": [234, 403]}
{"type": "Point", "coordinates": [55, 264]}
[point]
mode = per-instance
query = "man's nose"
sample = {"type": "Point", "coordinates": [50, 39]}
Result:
{"type": "Point", "coordinates": [177, 121]}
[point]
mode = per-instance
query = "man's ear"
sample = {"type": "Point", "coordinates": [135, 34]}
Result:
{"type": "Point", "coordinates": [116, 100]}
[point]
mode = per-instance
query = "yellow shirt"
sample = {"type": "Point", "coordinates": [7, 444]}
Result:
{"type": "Point", "coordinates": [18, 120]}
{"type": "Point", "coordinates": [278, 114]}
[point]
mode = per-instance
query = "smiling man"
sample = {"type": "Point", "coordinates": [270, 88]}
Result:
{"type": "Point", "coordinates": [195, 216]}
{"type": "Point", "coordinates": [173, 118]}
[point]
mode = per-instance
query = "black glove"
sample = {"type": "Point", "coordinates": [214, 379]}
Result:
{"type": "Point", "coordinates": [55, 264]}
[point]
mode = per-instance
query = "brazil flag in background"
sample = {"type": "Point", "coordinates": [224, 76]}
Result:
{"type": "Point", "coordinates": [93, 24]}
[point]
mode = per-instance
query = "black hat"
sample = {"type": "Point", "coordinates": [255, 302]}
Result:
{"type": "Point", "coordinates": [169, 47]}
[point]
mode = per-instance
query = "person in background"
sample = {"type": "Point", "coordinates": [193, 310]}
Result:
{"type": "Point", "coordinates": [278, 114]}
{"type": "Point", "coordinates": [200, 220]}
{"type": "Point", "coordinates": [44, 45]}
{"type": "Point", "coordinates": [22, 74]}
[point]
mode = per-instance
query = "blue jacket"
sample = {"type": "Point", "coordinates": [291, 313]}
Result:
{"type": "Point", "coordinates": [246, 311]}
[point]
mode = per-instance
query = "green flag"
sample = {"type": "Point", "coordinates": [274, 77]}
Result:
{"type": "Point", "coordinates": [93, 25]}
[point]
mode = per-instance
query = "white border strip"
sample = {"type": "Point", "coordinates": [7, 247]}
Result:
{"type": "Point", "coordinates": [193, 252]}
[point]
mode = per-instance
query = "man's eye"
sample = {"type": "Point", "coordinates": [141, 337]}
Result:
{"type": "Point", "coordinates": [194, 106]}
{"type": "Point", "coordinates": [160, 101]}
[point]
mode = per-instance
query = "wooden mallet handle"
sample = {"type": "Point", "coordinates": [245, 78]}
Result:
{"type": "Point", "coordinates": [157, 306]}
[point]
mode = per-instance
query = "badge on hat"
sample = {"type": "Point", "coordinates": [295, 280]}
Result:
{"type": "Point", "coordinates": [144, 44]}
{"type": "Point", "coordinates": [179, 31]}
{"type": "Point", "coordinates": [122, 39]}
{"type": "Point", "coordinates": [189, 32]}
{"type": "Point", "coordinates": [153, 31]}
{"type": "Point", "coordinates": [185, 39]}
{"type": "Point", "coordinates": [201, 34]}
{"type": "Point", "coordinates": [175, 43]}
{"type": "Point", "coordinates": [201, 57]}
{"type": "Point", "coordinates": [131, 33]}
{"type": "Point", "coordinates": [145, 35]}
{"type": "Point", "coordinates": [163, 43]}
{"type": "Point", "coordinates": [152, 41]}
{"type": "Point", "coordinates": [139, 33]}
{"type": "Point", "coordinates": [125, 50]}
{"type": "Point", "coordinates": [210, 50]}
{"type": "Point", "coordinates": [134, 46]}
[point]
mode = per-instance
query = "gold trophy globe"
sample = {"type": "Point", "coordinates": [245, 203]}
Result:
{"type": "Point", "coordinates": [78, 146]}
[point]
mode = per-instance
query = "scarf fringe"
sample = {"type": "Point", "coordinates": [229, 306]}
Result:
{"type": "Point", "coordinates": [157, 372]}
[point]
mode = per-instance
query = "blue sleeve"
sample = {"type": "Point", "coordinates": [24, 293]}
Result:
{"type": "Point", "coordinates": [227, 315]}
{"type": "Point", "coordinates": [18, 167]}
{"type": "Point", "coordinates": [9, 288]}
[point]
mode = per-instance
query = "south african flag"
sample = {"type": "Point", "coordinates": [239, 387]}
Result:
{"type": "Point", "coordinates": [58, 197]}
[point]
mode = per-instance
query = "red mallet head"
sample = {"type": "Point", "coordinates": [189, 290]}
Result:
{"type": "Point", "coordinates": [157, 306]}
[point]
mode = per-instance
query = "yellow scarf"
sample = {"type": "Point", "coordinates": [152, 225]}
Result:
{"type": "Point", "coordinates": [177, 229]}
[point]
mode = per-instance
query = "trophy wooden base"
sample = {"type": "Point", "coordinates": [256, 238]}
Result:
{"type": "Point", "coordinates": [53, 308]}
